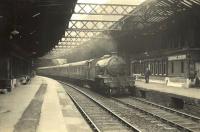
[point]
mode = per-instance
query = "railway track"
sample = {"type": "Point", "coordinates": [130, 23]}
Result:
{"type": "Point", "coordinates": [145, 122]}
{"type": "Point", "coordinates": [175, 118]}
{"type": "Point", "coordinates": [147, 116]}
{"type": "Point", "coordinates": [100, 117]}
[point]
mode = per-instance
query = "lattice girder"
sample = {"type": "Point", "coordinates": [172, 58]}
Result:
{"type": "Point", "coordinates": [85, 34]}
{"type": "Point", "coordinates": [103, 9]}
{"type": "Point", "coordinates": [75, 39]}
{"type": "Point", "coordinates": [97, 25]}
{"type": "Point", "coordinates": [58, 47]}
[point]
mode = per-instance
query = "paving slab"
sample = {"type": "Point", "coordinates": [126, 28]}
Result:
{"type": "Point", "coordinates": [13, 104]}
{"type": "Point", "coordinates": [31, 116]}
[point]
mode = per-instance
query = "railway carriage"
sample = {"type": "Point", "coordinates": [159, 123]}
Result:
{"type": "Point", "coordinates": [107, 74]}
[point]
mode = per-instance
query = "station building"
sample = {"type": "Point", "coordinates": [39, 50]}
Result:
{"type": "Point", "coordinates": [170, 48]}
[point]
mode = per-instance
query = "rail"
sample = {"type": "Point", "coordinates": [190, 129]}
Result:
{"type": "Point", "coordinates": [149, 112]}
{"type": "Point", "coordinates": [133, 128]}
{"type": "Point", "coordinates": [169, 109]}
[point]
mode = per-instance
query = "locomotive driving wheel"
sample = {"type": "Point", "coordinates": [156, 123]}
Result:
{"type": "Point", "coordinates": [103, 88]}
{"type": "Point", "coordinates": [107, 91]}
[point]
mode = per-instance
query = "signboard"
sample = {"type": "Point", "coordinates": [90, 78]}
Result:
{"type": "Point", "coordinates": [177, 57]}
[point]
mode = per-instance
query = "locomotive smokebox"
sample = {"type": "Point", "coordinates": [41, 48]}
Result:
{"type": "Point", "coordinates": [114, 64]}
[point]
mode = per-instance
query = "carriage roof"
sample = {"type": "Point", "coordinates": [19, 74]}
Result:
{"type": "Point", "coordinates": [80, 63]}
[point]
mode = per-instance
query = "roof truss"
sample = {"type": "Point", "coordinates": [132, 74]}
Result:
{"type": "Point", "coordinates": [148, 13]}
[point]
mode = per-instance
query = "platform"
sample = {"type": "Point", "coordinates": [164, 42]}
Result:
{"type": "Point", "coordinates": [186, 92]}
{"type": "Point", "coordinates": [185, 99]}
{"type": "Point", "coordinates": [40, 106]}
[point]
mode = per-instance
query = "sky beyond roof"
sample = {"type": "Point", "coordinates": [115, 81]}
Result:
{"type": "Point", "coordinates": [104, 17]}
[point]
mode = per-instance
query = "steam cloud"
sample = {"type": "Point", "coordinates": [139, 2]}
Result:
{"type": "Point", "coordinates": [92, 49]}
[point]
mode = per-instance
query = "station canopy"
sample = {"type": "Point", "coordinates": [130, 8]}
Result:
{"type": "Point", "coordinates": [31, 28]}
{"type": "Point", "coordinates": [94, 19]}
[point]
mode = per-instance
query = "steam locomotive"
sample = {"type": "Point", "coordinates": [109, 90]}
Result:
{"type": "Point", "coordinates": [107, 74]}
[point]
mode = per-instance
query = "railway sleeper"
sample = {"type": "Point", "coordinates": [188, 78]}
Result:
{"type": "Point", "coordinates": [155, 121]}
{"type": "Point", "coordinates": [148, 119]}
{"type": "Point", "coordinates": [143, 115]}
{"type": "Point", "coordinates": [195, 128]}
{"type": "Point", "coordinates": [168, 115]}
{"type": "Point", "coordinates": [112, 127]}
{"type": "Point", "coordinates": [161, 125]}
{"type": "Point", "coordinates": [189, 125]}
{"type": "Point", "coordinates": [157, 112]}
{"type": "Point", "coordinates": [169, 129]}
{"type": "Point", "coordinates": [113, 123]}
{"type": "Point", "coordinates": [99, 119]}
{"type": "Point", "coordinates": [102, 120]}
{"type": "Point", "coordinates": [94, 114]}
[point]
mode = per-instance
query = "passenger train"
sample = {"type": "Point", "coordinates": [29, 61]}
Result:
{"type": "Point", "coordinates": [107, 74]}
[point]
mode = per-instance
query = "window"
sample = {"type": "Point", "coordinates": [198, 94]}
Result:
{"type": "Point", "coordinates": [151, 67]}
{"type": "Point", "coordinates": [182, 66]}
{"type": "Point", "coordinates": [172, 67]}
{"type": "Point", "coordinates": [164, 67]}
{"type": "Point", "coordinates": [160, 68]}
{"type": "Point", "coordinates": [155, 68]}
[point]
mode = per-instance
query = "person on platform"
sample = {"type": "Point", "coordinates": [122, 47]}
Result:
{"type": "Point", "coordinates": [147, 73]}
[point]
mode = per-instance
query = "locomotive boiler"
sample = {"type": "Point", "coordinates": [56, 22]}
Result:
{"type": "Point", "coordinates": [107, 74]}
{"type": "Point", "coordinates": [112, 76]}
